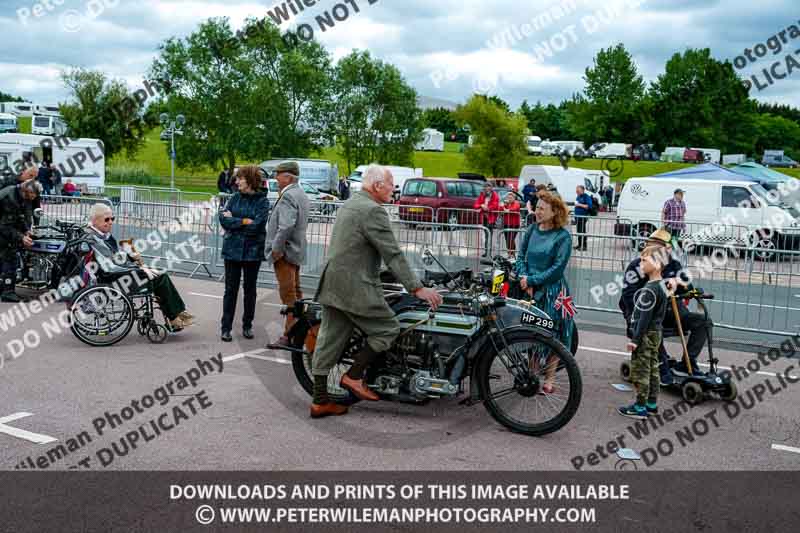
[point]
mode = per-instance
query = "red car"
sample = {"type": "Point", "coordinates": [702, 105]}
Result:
{"type": "Point", "coordinates": [693, 156]}
{"type": "Point", "coordinates": [451, 200]}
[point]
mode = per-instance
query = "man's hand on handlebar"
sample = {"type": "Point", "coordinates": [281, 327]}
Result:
{"type": "Point", "coordinates": [431, 296]}
{"type": "Point", "coordinates": [27, 242]}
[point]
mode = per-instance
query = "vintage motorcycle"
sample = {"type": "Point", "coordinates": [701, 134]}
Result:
{"type": "Point", "coordinates": [57, 254]}
{"type": "Point", "coordinates": [505, 348]}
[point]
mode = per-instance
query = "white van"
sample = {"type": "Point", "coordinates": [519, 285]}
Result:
{"type": "Point", "coordinates": [48, 125]}
{"type": "Point", "coordinates": [534, 144]}
{"type": "Point", "coordinates": [613, 151]}
{"type": "Point", "coordinates": [718, 212]}
{"type": "Point", "coordinates": [564, 180]}
{"type": "Point", "coordinates": [81, 160]}
{"type": "Point", "coordinates": [8, 123]}
{"type": "Point", "coordinates": [400, 175]}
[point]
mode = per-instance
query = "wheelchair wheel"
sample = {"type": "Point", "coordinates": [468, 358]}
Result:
{"type": "Point", "coordinates": [101, 316]}
{"type": "Point", "coordinates": [156, 333]}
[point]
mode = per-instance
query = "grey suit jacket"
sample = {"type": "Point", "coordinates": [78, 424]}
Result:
{"type": "Point", "coordinates": [362, 237]}
{"type": "Point", "coordinates": [286, 230]}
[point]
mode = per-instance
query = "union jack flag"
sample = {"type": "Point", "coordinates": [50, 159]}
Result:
{"type": "Point", "coordinates": [565, 305]}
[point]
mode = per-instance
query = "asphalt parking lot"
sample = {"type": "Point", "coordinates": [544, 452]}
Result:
{"type": "Point", "coordinates": [253, 415]}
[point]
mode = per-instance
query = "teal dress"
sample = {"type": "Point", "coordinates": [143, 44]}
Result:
{"type": "Point", "coordinates": [543, 258]}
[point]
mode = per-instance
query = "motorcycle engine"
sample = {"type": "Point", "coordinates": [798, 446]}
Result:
{"type": "Point", "coordinates": [422, 352]}
{"type": "Point", "coordinates": [36, 269]}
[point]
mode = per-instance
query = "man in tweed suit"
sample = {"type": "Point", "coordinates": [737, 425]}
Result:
{"type": "Point", "coordinates": [350, 289]}
{"type": "Point", "coordinates": [286, 239]}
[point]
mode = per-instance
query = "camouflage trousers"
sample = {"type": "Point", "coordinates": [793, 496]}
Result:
{"type": "Point", "coordinates": [644, 368]}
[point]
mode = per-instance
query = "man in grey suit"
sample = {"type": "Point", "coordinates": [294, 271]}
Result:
{"type": "Point", "coordinates": [286, 239]}
{"type": "Point", "coordinates": [350, 289]}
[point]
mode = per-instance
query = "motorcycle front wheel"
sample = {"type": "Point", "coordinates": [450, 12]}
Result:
{"type": "Point", "coordinates": [531, 384]}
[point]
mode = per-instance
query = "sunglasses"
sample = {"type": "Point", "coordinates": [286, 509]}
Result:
{"type": "Point", "coordinates": [109, 219]}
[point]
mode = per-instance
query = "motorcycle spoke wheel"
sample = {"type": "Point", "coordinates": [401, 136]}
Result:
{"type": "Point", "coordinates": [532, 386]}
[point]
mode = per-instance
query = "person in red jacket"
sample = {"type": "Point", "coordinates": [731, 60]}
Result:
{"type": "Point", "coordinates": [511, 221]}
{"type": "Point", "coordinates": [488, 203]}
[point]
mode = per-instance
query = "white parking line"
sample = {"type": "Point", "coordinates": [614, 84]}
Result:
{"type": "Point", "coordinates": [243, 355]}
{"type": "Point", "coordinates": [38, 438]}
{"type": "Point", "coordinates": [783, 448]}
{"type": "Point", "coordinates": [626, 354]}
{"type": "Point", "coordinates": [206, 295]}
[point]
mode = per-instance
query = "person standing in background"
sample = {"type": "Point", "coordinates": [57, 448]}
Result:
{"type": "Point", "coordinates": [344, 189]}
{"type": "Point", "coordinates": [511, 222]}
{"type": "Point", "coordinates": [673, 214]}
{"type": "Point", "coordinates": [45, 177]}
{"type": "Point", "coordinates": [286, 240]}
{"type": "Point", "coordinates": [488, 203]}
{"type": "Point", "coordinates": [244, 219]}
{"type": "Point", "coordinates": [583, 204]}
{"type": "Point", "coordinates": [223, 182]}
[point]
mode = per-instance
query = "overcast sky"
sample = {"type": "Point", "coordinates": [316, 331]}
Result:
{"type": "Point", "coordinates": [445, 48]}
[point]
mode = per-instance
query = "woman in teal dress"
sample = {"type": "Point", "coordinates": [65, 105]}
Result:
{"type": "Point", "coordinates": [543, 257]}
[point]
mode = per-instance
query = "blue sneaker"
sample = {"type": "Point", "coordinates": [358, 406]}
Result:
{"type": "Point", "coordinates": [633, 411]}
{"type": "Point", "coordinates": [651, 409]}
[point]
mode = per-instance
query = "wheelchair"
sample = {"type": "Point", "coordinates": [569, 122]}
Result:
{"type": "Point", "coordinates": [102, 315]}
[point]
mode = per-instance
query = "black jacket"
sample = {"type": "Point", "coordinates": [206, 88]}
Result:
{"type": "Point", "coordinates": [16, 217]}
{"type": "Point", "coordinates": [634, 279]}
{"type": "Point", "coordinates": [648, 314]}
{"type": "Point", "coordinates": [245, 242]}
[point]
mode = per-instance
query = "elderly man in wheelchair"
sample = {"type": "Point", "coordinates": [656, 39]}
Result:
{"type": "Point", "coordinates": [121, 291]}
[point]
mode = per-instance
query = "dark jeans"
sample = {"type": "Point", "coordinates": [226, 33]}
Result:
{"type": "Point", "coordinates": [581, 222]}
{"type": "Point", "coordinates": [695, 328]}
{"type": "Point", "coordinates": [233, 278]}
{"type": "Point", "coordinates": [8, 270]}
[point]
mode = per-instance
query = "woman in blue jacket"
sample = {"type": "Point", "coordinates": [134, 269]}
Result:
{"type": "Point", "coordinates": [244, 219]}
{"type": "Point", "coordinates": [543, 257]}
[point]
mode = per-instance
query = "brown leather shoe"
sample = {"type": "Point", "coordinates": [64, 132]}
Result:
{"type": "Point", "coordinates": [359, 388]}
{"type": "Point", "coordinates": [327, 409]}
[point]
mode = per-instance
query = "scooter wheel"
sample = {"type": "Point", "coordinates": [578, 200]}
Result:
{"type": "Point", "coordinates": [625, 371]}
{"type": "Point", "coordinates": [730, 393]}
{"type": "Point", "coordinates": [692, 393]}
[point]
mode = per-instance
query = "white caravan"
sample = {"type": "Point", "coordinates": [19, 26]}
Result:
{"type": "Point", "coordinates": [534, 144]}
{"type": "Point", "coordinates": [81, 160]}
{"type": "Point", "coordinates": [52, 110]}
{"type": "Point", "coordinates": [613, 151]}
{"type": "Point", "coordinates": [548, 147]}
{"type": "Point", "coordinates": [718, 212]}
{"type": "Point", "coordinates": [8, 123]}
{"type": "Point", "coordinates": [734, 159]}
{"type": "Point", "coordinates": [48, 125]}
{"type": "Point", "coordinates": [673, 154]}
{"type": "Point", "coordinates": [20, 109]}
{"type": "Point", "coordinates": [432, 141]}
{"type": "Point", "coordinates": [712, 155]}
{"type": "Point", "coordinates": [565, 180]}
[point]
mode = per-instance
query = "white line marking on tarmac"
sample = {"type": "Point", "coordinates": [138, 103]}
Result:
{"type": "Point", "coordinates": [273, 305]}
{"type": "Point", "coordinates": [273, 359]}
{"type": "Point", "coordinates": [242, 355]}
{"type": "Point", "coordinates": [38, 438]}
{"type": "Point", "coordinates": [783, 448]}
{"type": "Point", "coordinates": [615, 352]}
{"type": "Point", "coordinates": [206, 295]}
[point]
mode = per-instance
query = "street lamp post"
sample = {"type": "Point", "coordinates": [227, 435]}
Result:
{"type": "Point", "coordinates": [172, 128]}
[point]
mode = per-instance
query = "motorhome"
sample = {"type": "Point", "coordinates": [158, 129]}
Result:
{"type": "Point", "coordinates": [317, 172]}
{"type": "Point", "coordinates": [8, 123]}
{"type": "Point", "coordinates": [39, 109]}
{"type": "Point", "coordinates": [534, 144]}
{"type": "Point", "coordinates": [719, 212]}
{"type": "Point", "coordinates": [48, 125]}
{"type": "Point", "coordinates": [81, 160]}
{"type": "Point", "coordinates": [613, 151]}
{"type": "Point", "coordinates": [20, 109]}
{"type": "Point", "coordinates": [565, 180]}
{"type": "Point", "coordinates": [432, 141]}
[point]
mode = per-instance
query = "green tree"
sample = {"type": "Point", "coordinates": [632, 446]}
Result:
{"type": "Point", "coordinates": [248, 96]}
{"type": "Point", "coordinates": [548, 122]}
{"type": "Point", "coordinates": [4, 97]}
{"type": "Point", "coordinates": [700, 101]}
{"type": "Point", "coordinates": [99, 108]}
{"type": "Point", "coordinates": [499, 146]}
{"type": "Point", "coordinates": [376, 117]}
{"type": "Point", "coordinates": [777, 133]}
{"type": "Point", "coordinates": [608, 108]}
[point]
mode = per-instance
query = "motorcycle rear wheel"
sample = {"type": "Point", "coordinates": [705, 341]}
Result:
{"type": "Point", "coordinates": [301, 364]}
{"type": "Point", "coordinates": [536, 353]}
